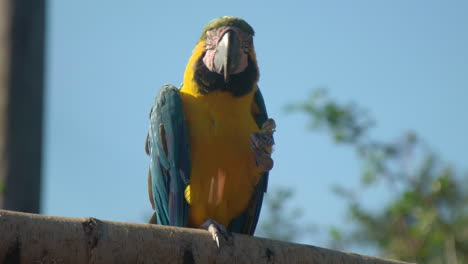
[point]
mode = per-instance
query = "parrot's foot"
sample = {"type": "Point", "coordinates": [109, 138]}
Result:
{"type": "Point", "coordinates": [218, 232]}
{"type": "Point", "coordinates": [262, 143]}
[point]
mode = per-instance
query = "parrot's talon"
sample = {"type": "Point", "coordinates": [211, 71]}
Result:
{"type": "Point", "coordinates": [218, 232]}
{"type": "Point", "coordinates": [262, 143]}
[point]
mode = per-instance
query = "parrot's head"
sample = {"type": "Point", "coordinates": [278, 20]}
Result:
{"type": "Point", "coordinates": [228, 41]}
{"type": "Point", "coordinates": [224, 58]}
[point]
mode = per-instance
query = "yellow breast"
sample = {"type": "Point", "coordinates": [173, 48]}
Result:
{"type": "Point", "coordinates": [223, 171]}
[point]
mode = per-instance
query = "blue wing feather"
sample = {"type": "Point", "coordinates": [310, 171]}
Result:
{"type": "Point", "coordinates": [170, 164]}
{"type": "Point", "coordinates": [246, 222]}
{"type": "Point", "coordinates": [169, 158]}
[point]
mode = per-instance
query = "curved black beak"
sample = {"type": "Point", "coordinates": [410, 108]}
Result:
{"type": "Point", "coordinates": [228, 55]}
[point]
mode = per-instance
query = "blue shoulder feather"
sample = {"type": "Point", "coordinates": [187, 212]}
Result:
{"type": "Point", "coordinates": [168, 147]}
{"type": "Point", "coordinates": [246, 222]}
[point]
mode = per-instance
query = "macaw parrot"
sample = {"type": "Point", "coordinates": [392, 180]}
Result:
{"type": "Point", "coordinates": [210, 141]}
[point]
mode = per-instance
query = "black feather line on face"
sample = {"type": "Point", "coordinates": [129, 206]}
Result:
{"type": "Point", "coordinates": [238, 84]}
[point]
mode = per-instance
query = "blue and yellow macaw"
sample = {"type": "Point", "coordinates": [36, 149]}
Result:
{"type": "Point", "coordinates": [210, 142]}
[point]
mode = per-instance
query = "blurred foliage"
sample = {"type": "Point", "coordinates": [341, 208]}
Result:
{"type": "Point", "coordinates": [345, 124]}
{"type": "Point", "coordinates": [426, 220]}
{"type": "Point", "coordinates": [282, 223]}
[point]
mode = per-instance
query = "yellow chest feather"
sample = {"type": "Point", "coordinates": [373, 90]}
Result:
{"type": "Point", "coordinates": [223, 171]}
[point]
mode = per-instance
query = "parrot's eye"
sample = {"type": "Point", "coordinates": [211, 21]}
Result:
{"type": "Point", "coordinates": [209, 45]}
{"type": "Point", "coordinates": [246, 46]}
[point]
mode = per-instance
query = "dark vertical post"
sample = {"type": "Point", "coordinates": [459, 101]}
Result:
{"type": "Point", "coordinates": [22, 147]}
{"type": "Point", "coordinates": [4, 63]}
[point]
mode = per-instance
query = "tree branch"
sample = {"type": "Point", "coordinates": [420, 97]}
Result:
{"type": "Point", "coordinates": [32, 238]}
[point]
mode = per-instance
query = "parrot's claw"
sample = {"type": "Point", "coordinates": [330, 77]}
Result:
{"type": "Point", "coordinates": [218, 232]}
{"type": "Point", "coordinates": [262, 143]}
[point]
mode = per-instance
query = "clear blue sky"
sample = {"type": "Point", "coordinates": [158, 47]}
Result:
{"type": "Point", "coordinates": [405, 61]}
